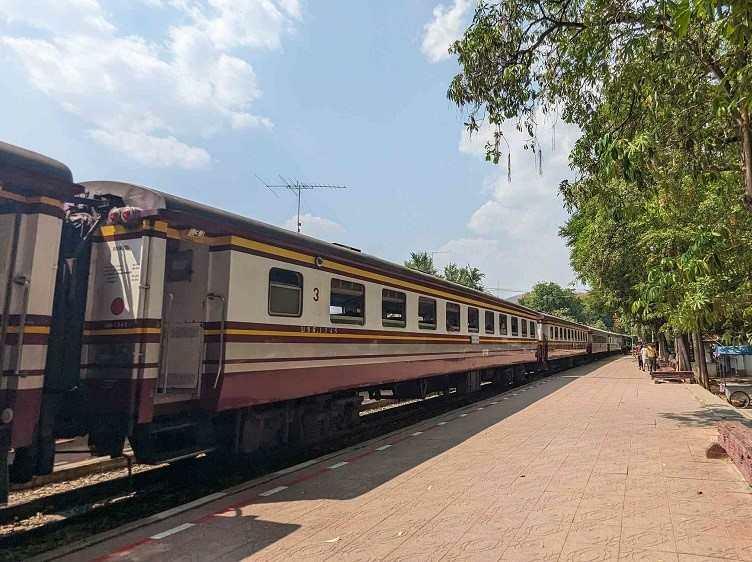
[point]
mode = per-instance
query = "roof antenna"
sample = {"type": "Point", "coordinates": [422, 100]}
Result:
{"type": "Point", "coordinates": [297, 187]}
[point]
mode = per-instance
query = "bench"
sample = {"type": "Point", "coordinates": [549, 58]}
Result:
{"type": "Point", "coordinates": [669, 375]}
{"type": "Point", "coordinates": [736, 439]}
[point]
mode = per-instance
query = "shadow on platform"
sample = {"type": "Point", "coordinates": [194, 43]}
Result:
{"type": "Point", "coordinates": [368, 476]}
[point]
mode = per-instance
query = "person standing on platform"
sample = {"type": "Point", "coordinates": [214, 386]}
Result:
{"type": "Point", "coordinates": [651, 358]}
{"type": "Point", "coordinates": [640, 364]}
{"type": "Point", "coordinates": [644, 356]}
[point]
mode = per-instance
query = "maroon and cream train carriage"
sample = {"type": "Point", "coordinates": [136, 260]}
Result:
{"type": "Point", "coordinates": [130, 313]}
{"type": "Point", "coordinates": [203, 326]}
{"type": "Point", "coordinates": [32, 190]}
{"type": "Point", "coordinates": [566, 342]}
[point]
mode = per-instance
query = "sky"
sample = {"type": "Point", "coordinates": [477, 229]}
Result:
{"type": "Point", "coordinates": [199, 98]}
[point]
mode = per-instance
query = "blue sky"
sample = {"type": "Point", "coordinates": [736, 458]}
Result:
{"type": "Point", "coordinates": [194, 98]}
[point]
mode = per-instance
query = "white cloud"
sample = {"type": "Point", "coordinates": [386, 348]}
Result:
{"type": "Point", "coordinates": [317, 227]}
{"type": "Point", "coordinates": [152, 151]}
{"type": "Point", "coordinates": [513, 236]}
{"type": "Point", "coordinates": [445, 28]}
{"type": "Point", "coordinates": [149, 97]}
{"type": "Point", "coordinates": [57, 15]}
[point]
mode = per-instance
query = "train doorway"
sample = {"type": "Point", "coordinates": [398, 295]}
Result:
{"type": "Point", "coordinates": [183, 312]}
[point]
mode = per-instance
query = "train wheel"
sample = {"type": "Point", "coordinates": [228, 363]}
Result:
{"type": "Point", "coordinates": [739, 399]}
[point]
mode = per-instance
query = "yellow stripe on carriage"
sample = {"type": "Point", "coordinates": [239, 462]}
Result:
{"type": "Point", "coordinates": [121, 331]}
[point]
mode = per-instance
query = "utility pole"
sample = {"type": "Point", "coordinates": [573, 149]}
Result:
{"type": "Point", "coordinates": [297, 188]}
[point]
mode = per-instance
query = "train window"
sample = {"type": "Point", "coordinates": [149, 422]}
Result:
{"type": "Point", "coordinates": [347, 302]}
{"type": "Point", "coordinates": [452, 317]}
{"type": "Point", "coordinates": [473, 320]}
{"type": "Point", "coordinates": [550, 332]}
{"type": "Point", "coordinates": [532, 329]}
{"type": "Point", "coordinates": [524, 328]}
{"type": "Point", "coordinates": [515, 326]}
{"type": "Point", "coordinates": [503, 324]}
{"type": "Point", "coordinates": [393, 308]}
{"type": "Point", "coordinates": [426, 313]}
{"type": "Point", "coordinates": [556, 329]}
{"type": "Point", "coordinates": [285, 292]}
{"type": "Point", "coordinates": [489, 322]}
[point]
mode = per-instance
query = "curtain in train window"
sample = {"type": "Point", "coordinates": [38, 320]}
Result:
{"type": "Point", "coordinates": [489, 322]}
{"type": "Point", "coordinates": [426, 313]}
{"type": "Point", "coordinates": [452, 317]}
{"type": "Point", "coordinates": [515, 326]}
{"type": "Point", "coordinates": [473, 320]}
{"type": "Point", "coordinates": [393, 308]}
{"type": "Point", "coordinates": [503, 324]}
{"type": "Point", "coordinates": [285, 292]}
{"type": "Point", "coordinates": [347, 303]}
{"type": "Point", "coordinates": [524, 328]}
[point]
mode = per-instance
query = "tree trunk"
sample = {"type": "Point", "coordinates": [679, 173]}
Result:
{"type": "Point", "coordinates": [662, 347]}
{"type": "Point", "coordinates": [702, 368]}
{"type": "Point", "coordinates": [682, 354]}
{"type": "Point", "coordinates": [746, 134]}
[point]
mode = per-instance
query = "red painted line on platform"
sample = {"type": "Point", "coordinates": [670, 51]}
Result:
{"type": "Point", "coordinates": [124, 550]}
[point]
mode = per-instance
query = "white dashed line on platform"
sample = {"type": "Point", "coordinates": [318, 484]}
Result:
{"type": "Point", "coordinates": [383, 447]}
{"type": "Point", "coordinates": [163, 534]}
{"type": "Point", "coordinates": [273, 491]}
{"type": "Point", "coordinates": [462, 415]}
{"type": "Point", "coordinates": [416, 434]}
{"type": "Point", "coordinates": [441, 423]}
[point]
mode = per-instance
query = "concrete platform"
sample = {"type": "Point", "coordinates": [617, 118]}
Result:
{"type": "Point", "coordinates": [597, 463]}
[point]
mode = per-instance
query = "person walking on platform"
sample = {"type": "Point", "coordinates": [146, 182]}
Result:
{"type": "Point", "coordinates": [651, 358]}
{"type": "Point", "coordinates": [640, 364]}
{"type": "Point", "coordinates": [644, 357]}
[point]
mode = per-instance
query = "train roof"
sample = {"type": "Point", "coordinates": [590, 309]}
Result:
{"type": "Point", "coordinates": [550, 318]}
{"type": "Point", "coordinates": [28, 172]}
{"type": "Point", "coordinates": [187, 213]}
{"type": "Point", "coordinates": [183, 212]}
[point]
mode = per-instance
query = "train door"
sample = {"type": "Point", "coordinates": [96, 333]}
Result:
{"type": "Point", "coordinates": [183, 312]}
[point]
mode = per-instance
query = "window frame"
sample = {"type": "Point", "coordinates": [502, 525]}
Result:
{"type": "Point", "coordinates": [350, 320]}
{"type": "Point", "coordinates": [473, 329]}
{"type": "Point", "coordinates": [299, 275]}
{"type": "Point", "coordinates": [426, 325]}
{"type": "Point", "coordinates": [514, 326]}
{"type": "Point", "coordinates": [486, 315]}
{"type": "Point", "coordinates": [387, 322]}
{"type": "Point", "coordinates": [503, 326]}
{"type": "Point", "coordinates": [531, 328]}
{"type": "Point", "coordinates": [458, 309]}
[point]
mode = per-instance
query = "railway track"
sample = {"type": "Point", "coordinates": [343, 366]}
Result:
{"type": "Point", "coordinates": [30, 528]}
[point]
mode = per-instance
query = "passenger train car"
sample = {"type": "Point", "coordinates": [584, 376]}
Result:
{"type": "Point", "coordinates": [188, 329]}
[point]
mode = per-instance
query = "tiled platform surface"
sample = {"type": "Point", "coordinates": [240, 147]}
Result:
{"type": "Point", "coordinates": [598, 463]}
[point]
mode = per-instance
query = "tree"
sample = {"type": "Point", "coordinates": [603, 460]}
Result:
{"type": "Point", "coordinates": [469, 276]}
{"type": "Point", "coordinates": [422, 261]}
{"type": "Point", "coordinates": [553, 299]}
{"type": "Point", "coordinates": [659, 89]}
{"type": "Point", "coordinates": [526, 58]}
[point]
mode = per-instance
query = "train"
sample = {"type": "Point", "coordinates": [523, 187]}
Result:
{"type": "Point", "coordinates": [132, 314]}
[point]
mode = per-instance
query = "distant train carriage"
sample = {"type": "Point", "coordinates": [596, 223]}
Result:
{"type": "Point", "coordinates": [186, 329]}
